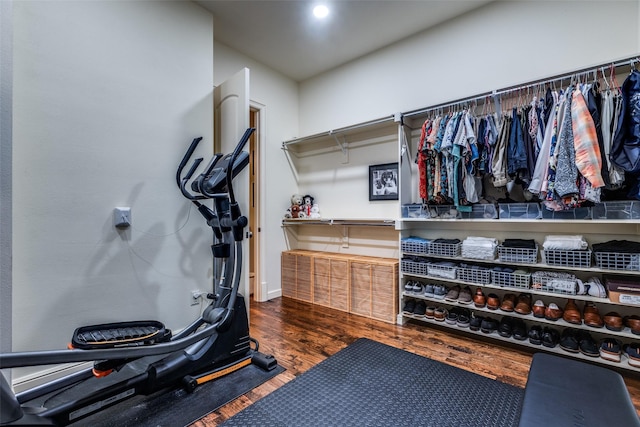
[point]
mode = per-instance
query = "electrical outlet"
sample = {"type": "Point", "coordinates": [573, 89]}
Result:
{"type": "Point", "coordinates": [195, 297]}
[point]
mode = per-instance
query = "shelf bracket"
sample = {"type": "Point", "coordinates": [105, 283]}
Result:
{"type": "Point", "coordinates": [342, 145]}
{"type": "Point", "coordinates": [345, 236]}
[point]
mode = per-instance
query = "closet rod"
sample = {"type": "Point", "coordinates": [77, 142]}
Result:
{"type": "Point", "coordinates": [629, 61]}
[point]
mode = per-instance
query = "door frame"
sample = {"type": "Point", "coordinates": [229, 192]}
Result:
{"type": "Point", "coordinates": [260, 289]}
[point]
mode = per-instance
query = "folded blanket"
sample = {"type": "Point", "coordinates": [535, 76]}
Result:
{"type": "Point", "coordinates": [620, 246]}
{"type": "Point", "coordinates": [563, 242]}
{"type": "Point", "coordinates": [519, 243]}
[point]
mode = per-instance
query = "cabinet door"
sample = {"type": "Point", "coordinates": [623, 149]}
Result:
{"type": "Point", "coordinates": [360, 288]}
{"type": "Point", "coordinates": [322, 281]}
{"type": "Point", "coordinates": [288, 263]}
{"type": "Point", "coordinates": [304, 283]}
{"type": "Point", "coordinates": [340, 284]}
{"type": "Point", "coordinates": [383, 292]}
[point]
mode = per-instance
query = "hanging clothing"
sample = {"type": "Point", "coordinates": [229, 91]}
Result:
{"type": "Point", "coordinates": [625, 150]}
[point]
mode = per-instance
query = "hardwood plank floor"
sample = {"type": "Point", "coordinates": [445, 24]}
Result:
{"type": "Point", "coordinates": [300, 335]}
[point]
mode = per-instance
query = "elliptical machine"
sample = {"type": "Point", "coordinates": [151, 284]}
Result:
{"type": "Point", "coordinates": [142, 357]}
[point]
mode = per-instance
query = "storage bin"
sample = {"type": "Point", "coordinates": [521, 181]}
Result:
{"type": "Point", "coordinates": [517, 279]}
{"type": "Point", "coordinates": [625, 209]}
{"type": "Point", "coordinates": [442, 270]}
{"type": "Point", "coordinates": [411, 266]}
{"type": "Point", "coordinates": [413, 210]}
{"type": "Point", "coordinates": [555, 282]}
{"type": "Point", "coordinates": [442, 212]}
{"type": "Point", "coordinates": [518, 255]}
{"type": "Point", "coordinates": [481, 211]}
{"type": "Point", "coordinates": [577, 213]}
{"type": "Point", "coordinates": [479, 275]}
{"type": "Point", "coordinates": [414, 245]}
{"type": "Point", "coordinates": [444, 249]}
{"type": "Point", "coordinates": [564, 258]}
{"type": "Point", "coordinates": [617, 261]}
{"type": "Point", "coordinates": [519, 211]}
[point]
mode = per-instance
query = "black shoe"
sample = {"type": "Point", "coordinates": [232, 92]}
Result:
{"type": "Point", "coordinates": [452, 317]}
{"type": "Point", "coordinates": [519, 330]}
{"type": "Point", "coordinates": [420, 308]}
{"type": "Point", "coordinates": [464, 318]}
{"type": "Point", "coordinates": [569, 341]}
{"type": "Point", "coordinates": [506, 327]}
{"type": "Point", "coordinates": [409, 306]}
{"type": "Point", "coordinates": [489, 325]}
{"type": "Point", "coordinates": [587, 345]}
{"type": "Point", "coordinates": [535, 335]}
{"type": "Point", "coordinates": [550, 337]}
{"type": "Point", "coordinates": [475, 323]}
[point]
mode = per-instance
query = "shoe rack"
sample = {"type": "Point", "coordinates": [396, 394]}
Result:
{"type": "Point", "coordinates": [593, 231]}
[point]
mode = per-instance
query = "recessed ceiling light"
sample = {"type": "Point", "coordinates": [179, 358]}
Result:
{"type": "Point", "coordinates": [320, 11]}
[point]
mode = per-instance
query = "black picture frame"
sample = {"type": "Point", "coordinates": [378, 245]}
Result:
{"type": "Point", "coordinates": [383, 182]}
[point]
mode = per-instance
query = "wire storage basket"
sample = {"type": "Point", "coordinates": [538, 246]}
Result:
{"type": "Point", "coordinates": [474, 274]}
{"type": "Point", "coordinates": [414, 245]}
{"type": "Point", "coordinates": [444, 270]}
{"type": "Point", "coordinates": [414, 266]}
{"type": "Point", "coordinates": [518, 255]}
{"type": "Point", "coordinates": [568, 258]}
{"type": "Point", "coordinates": [617, 261]}
{"type": "Point", "coordinates": [518, 279]}
{"type": "Point", "coordinates": [444, 249]}
{"type": "Point", "coordinates": [554, 282]}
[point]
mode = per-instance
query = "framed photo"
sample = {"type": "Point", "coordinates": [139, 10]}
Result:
{"type": "Point", "coordinates": [383, 182]}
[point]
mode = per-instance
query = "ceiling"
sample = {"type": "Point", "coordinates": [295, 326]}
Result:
{"type": "Point", "coordinates": [285, 36]}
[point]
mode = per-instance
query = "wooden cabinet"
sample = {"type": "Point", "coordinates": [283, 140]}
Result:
{"type": "Point", "coordinates": [367, 286]}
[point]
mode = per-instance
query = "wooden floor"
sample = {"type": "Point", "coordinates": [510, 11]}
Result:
{"type": "Point", "coordinates": [300, 335]}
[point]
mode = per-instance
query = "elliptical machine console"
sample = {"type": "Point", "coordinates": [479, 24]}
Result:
{"type": "Point", "coordinates": [142, 357]}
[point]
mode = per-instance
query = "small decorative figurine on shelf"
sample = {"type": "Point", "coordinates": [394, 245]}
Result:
{"type": "Point", "coordinates": [302, 207]}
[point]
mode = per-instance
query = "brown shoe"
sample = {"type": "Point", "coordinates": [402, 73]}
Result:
{"type": "Point", "coordinates": [479, 299]}
{"type": "Point", "coordinates": [508, 303]}
{"type": "Point", "coordinates": [524, 304]}
{"type": "Point", "coordinates": [553, 312]}
{"type": "Point", "coordinates": [572, 313]}
{"type": "Point", "coordinates": [633, 322]}
{"type": "Point", "coordinates": [592, 316]}
{"type": "Point", "coordinates": [538, 309]}
{"type": "Point", "coordinates": [493, 302]}
{"type": "Point", "coordinates": [613, 321]}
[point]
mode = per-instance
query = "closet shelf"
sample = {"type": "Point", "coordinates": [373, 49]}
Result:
{"type": "Point", "coordinates": [518, 290]}
{"type": "Point", "coordinates": [336, 134]}
{"type": "Point", "coordinates": [341, 221]}
{"type": "Point", "coordinates": [560, 323]}
{"type": "Point", "coordinates": [623, 364]}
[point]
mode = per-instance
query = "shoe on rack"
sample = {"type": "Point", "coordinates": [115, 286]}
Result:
{"type": "Point", "coordinates": [633, 353]}
{"type": "Point", "coordinates": [508, 303]}
{"type": "Point", "coordinates": [452, 317]}
{"type": "Point", "coordinates": [572, 313]}
{"type": "Point", "coordinates": [408, 286]}
{"type": "Point", "coordinates": [409, 306]}
{"type": "Point", "coordinates": [613, 321]}
{"type": "Point", "coordinates": [418, 288]}
{"type": "Point", "coordinates": [493, 302]}
{"type": "Point", "coordinates": [505, 328]}
{"type": "Point", "coordinates": [633, 322]}
{"type": "Point", "coordinates": [550, 337]}
{"type": "Point", "coordinates": [488, 325]}
{"type": "Point", "coordinates": [611, 349]}
{"type": "Point", "coordinates": [519, 330]}
{"type": "Point", "coordinates": [588, 346]}
{"type": "Point", "coordinates": [439, 291]}
{"type": "Point", "coordinates": [440, 314]}
{"type": "Point", "coordinates": [464, 297]}
{"type": "Point", "coordinates": [420, 309]}
{"type": "Point", "coordinates": [428, 290]}
{"type": "Point", "coordinates": [535, 335]}
{"type": "Point", "coordinates": [523, 306]}
{"type": "Point", "coordinates": [592, 316]}
{"type": "Point", "coordinates": [476, 322]}
{"type": "Point", "coordinates": [538, 309]}
{"type": "Point", "coordinates": [569, 341]}
{"type": "Point", "coordinates": [464, 318]}
{"type": "Point", "coordinates": [553, 312]}
{"type": "Point", "coordinates": [479, 300]}
{"type": "Point", "coordinates": [453, 294]}
{"type": "Point", "coordinates": [430, 312]}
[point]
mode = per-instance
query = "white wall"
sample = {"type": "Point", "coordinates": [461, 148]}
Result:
{"type": "Point", "coordinates": [502, 44]}
{"type": "Point", "coordinates": [107, 96]}
{"type": "Point", "coordinates": [279, 97]}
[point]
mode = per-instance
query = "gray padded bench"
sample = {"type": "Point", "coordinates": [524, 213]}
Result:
{"type": "Point", "coordinates": [566, 392]}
